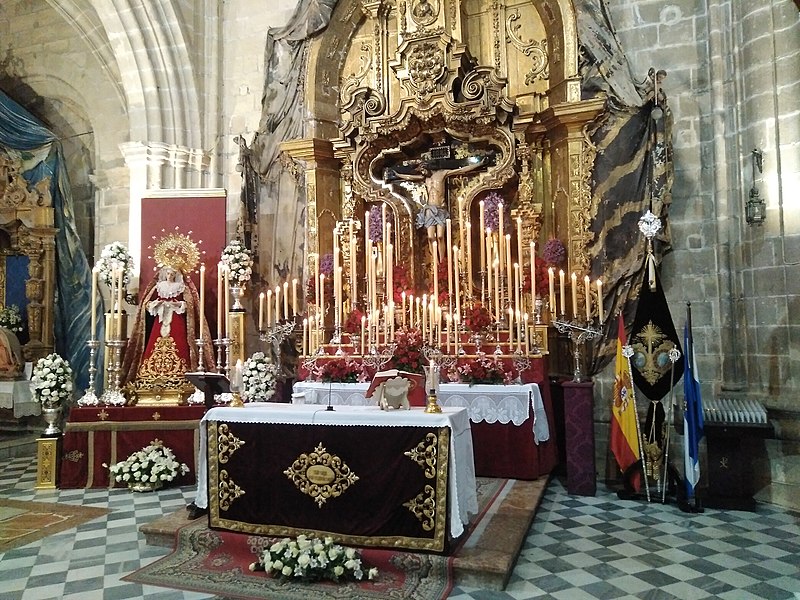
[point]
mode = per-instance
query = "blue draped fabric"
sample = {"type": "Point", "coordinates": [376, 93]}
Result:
{"type": "Point", "coordinates": [43, 157]}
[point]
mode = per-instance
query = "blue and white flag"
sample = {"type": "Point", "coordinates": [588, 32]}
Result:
{"type": "Point", "coordinates": [692, 415]}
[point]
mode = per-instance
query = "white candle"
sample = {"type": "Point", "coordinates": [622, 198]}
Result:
{"type": "Point", "coordinates": [461, 230]}
{"type": "Point", "coordinates": [305, 335]}
{"type": "Point", "coordinates": [403, 308]}
{"type": "Point", "coordinates": [600, 301]}
{"type": "Point", "coordinates": [456, 279]}
{"type": "Point", "coordinates": [220, 300]}
{"type": "Point", "coordinates": [93, 332]}
{"type": "Point", "coordinates": [278, 300]}
{"type": "Point", "coordinates": [561, 290]}
{"type": "Point", "coordinates": [448, 319]}
{"type": "Point", "coordinates": [500, 231]}
{"type": "Point", "coordinates": [481, 221]}
{"type": "Point", "coordinates": [588, 298]}
{"type": "Point", "coordinates": [294, 296]}
{"type": "Point", "coordinates": [533, 276]}
{"type": "Point", "coordinates": [498, 315]}
{"type": "Point", "coordinates": [269, 308]}
{"type": "Point", "coordinates": [227, 300]}
{"type": "Point", "coordinates": [120, 274]}
{"type": "Point", "coordinates": [519, 239]}
{"type": "Point", "coordinates": [435, 272]}
{"type": "Point", "coordinates": [449, 229]}
{"type": "Point", "coordinates": [551, 277]}
{"type": "Point", "coordinates": [489, 268]}
{"type": "Point", "coordinates": [517, 286]}
{"type": "Point", "coordinates": [527, 335]}
{"type": "Point", "coordinates": [261, 312]}
{"type": "Point", "coordinates": [510, 328]}
{"type": "Point", "coordinates": [469, 257]}
{"type": "Point", "coordinates": [363, 326]}
{"type": "Point", "coordinates": [574, 282]}
{"type": "Point", "coordinates": [202, 309]}
{"type": "Point", "coordinates": [286, 300]}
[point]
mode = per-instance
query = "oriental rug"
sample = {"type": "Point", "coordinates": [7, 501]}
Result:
{"type": "Point", "coordinates": [23, 522]}
{"type": "Point", "coordinates": [217, 562]}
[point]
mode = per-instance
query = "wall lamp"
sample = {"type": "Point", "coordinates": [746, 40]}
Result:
{"type": "Point", "coordinates": [755, 209]}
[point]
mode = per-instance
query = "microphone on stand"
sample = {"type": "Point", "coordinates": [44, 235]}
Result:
{"type": "Point", "coordinates": [330, 388]}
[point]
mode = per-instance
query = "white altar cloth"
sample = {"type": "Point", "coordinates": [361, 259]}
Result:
{"type": "Point", "coordinates": [17, 394]}
{"type": "Point", "coordinates": [461, 485]}
{"type": "Point", "coordinates": [484, 403]}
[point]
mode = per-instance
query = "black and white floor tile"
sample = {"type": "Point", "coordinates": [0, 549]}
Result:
{"type": "Point", "coordinates": [578, 548]}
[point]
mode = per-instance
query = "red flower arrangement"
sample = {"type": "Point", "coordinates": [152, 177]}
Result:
{"type": "Point", "coordinates": [408, 350]}
{"type": "Point", "coordinates": [542, 280]}
{"type": "Point", "coordinates": [478, 318]}
{"type": "Point", "coordinates": [352, 324]}
{"type": "Point", "coordinates": [484, 370]}
{"type": "Point", "coordinates": [400, 283]}
{"type": "Point", "coordinates": [340, 370]}
{"type": "Point", "coordinates": [444, 283]}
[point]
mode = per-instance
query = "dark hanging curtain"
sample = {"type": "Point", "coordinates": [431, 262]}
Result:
{"type": "Point", "coordinates": [42, 157]}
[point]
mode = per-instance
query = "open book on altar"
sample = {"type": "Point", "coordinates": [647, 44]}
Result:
{"type": "Point", "coordinates": [416, 389]}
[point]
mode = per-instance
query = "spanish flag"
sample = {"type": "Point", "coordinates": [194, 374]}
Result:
{"type": "Point", "coordinates": [624, 436]}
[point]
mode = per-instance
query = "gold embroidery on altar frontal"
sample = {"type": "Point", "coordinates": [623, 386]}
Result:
{"type": "Point", "coordinates": [163, 367]}
{"type": "Point", "coordinates": [424, 454]}
{"type": "Point", "coordinates": [227, 443]}
{"type": "Point", "coordinates": [228, 491]}
{"type": "Point", "coordinates": [321, 475]}
{"type": "Point", "coordinates": [423, 506]}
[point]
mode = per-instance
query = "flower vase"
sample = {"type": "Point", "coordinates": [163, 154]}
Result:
{"type": "Point", "coordinates": [237, 291]}
{"type": "Point", "coordinates": [51, 414]}
{"type": "Point", "coordinates": [145, 486]}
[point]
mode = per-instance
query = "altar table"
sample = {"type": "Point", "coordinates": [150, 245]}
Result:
{"type": "Point", "coordinates": [400, 479]}
{"type": "Point", "coordinates": [94, 435]}
{"type": "Point", "coordinates": [510, 429]}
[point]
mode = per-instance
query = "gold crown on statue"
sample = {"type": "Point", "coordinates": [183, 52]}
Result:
{"type": "Point", "coordinates": [177, 250]}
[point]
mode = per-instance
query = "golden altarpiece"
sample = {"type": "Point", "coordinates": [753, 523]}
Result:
{"type": "Point", "coordinates": [27, 254]}
{"type": "Point", "coordinates": [393, 84]}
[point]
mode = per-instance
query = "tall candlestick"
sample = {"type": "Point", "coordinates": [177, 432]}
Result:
{"type": "Point", "coordinates": [261, 312]}
{"type": "Point", "coordinates": [600, 301]}
{"type": "Point", "coordinates": [269, 308]}
{"type": "Point", "coordinates": [220, 299]}
{"type": "Point", "coordinates": [227, 294]}
{"type": "Point", "coordinates": [121, 275]}
{"type": "Point", "coordinates": [551, 278]}
{"type": "Point", "coordinates": [533, 276]}
{"type": "Point", "coordinates": [588, 298]}
{"type": "Point", "coordinates": [294, 296]}
{"type": "Point", "coordinates": [202, 309]}
{"type": "Point", "coordinates": [481, 233]}
{"type": "Point", "coordinates": [574, 282]}
{"type": "Point", "coordinates": [93, 332]}
{"type": "Point", "coordinates": [336, 296]}
{"type": "Point", "coordinates": [286, 300]}
{"type": "Point", "coordinates": [561, 289]}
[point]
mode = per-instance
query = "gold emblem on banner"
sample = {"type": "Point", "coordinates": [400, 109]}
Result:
{"type": "Point", "coordinates": [227, 443]}
{"type": "Point", "coordinates": [228, 491]}
{"type": "Point", "coordinates": [425, 454]}
{"type": "Point", "coordinates": [423, 506]}
{"type": "Point", "coordinates": [321, 475]}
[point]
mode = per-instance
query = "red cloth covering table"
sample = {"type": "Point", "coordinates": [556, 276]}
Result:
{"type": "Point", "coordinates": [95, 435]}
{"type": "Point", "coordinates": [509, 423]}
{"type": "Point", "coordinates": [398, 479]}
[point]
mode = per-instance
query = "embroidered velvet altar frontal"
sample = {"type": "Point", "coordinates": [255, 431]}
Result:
{"type": "Point", "coordinates": [368, 486]}
{"type": "Point", "coordinates": [95, 435]}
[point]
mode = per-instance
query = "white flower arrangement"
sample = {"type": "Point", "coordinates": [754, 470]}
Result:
{"type": "Point", "coordinates": [312, 559]}
{"type": "Point", "coordinates": [153, 465]}
{"type": "Point", "coordinates": [239, 262]}
{"type": "Point", "coordinates": [115, 256]}
{"type": "Point", "coordinates": [11, 319]}
{"type": "Point", "coordinates": [259, 375]}
{"type": "Point", "coordinates": [51, 380]}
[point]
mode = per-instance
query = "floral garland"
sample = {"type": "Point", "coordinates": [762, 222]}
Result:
{"type": "Point", "coordinates": [408, 350]}
{"type": "Point", "coordinates": [11, 319]}
{"type": "Point", "coordinates": [312, 559]}
{"type": "Point", "coordinates": [259, 376]}
{"type": "Point", "coordinates": [237, 258]}
{"type": "Point", "coordinates": [51, 380]}
{"type": "Point", "coordinates": [484, 370]}
{"type": "Point", "coordinates": [478, 318]}
{"type": "Point", "coordinates": [113, 257]}
{"type": "Point", "coordinates": [554, 253]}
{"type": "Point", "coordinates": [153, 465]}
{"type": "Point", "coordinates": [491, 211]}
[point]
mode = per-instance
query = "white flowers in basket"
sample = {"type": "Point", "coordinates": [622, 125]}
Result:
{"type": "Point", "coordinates": [238, 261]}
{"type": "Point", "coordinates": [51, 380]}
{"type": "Point", "coordinates": [312, 559]}
{"type": "Point", "coordinates": [259, 375]}
{"type": "Point", "coordinates": [151, 467]}
{"type": "Point", "coordinates": [115, 256]}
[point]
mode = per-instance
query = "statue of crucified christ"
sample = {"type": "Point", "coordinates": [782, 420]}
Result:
{"type": "Point", "coordinates": [433, 215]}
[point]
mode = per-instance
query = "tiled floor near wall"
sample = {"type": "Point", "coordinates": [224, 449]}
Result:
{"type": "Point", "coordinates": [578, 548]}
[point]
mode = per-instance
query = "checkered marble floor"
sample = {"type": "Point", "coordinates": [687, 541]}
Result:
{"type": "Point", "coordinates": [578, 548]}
